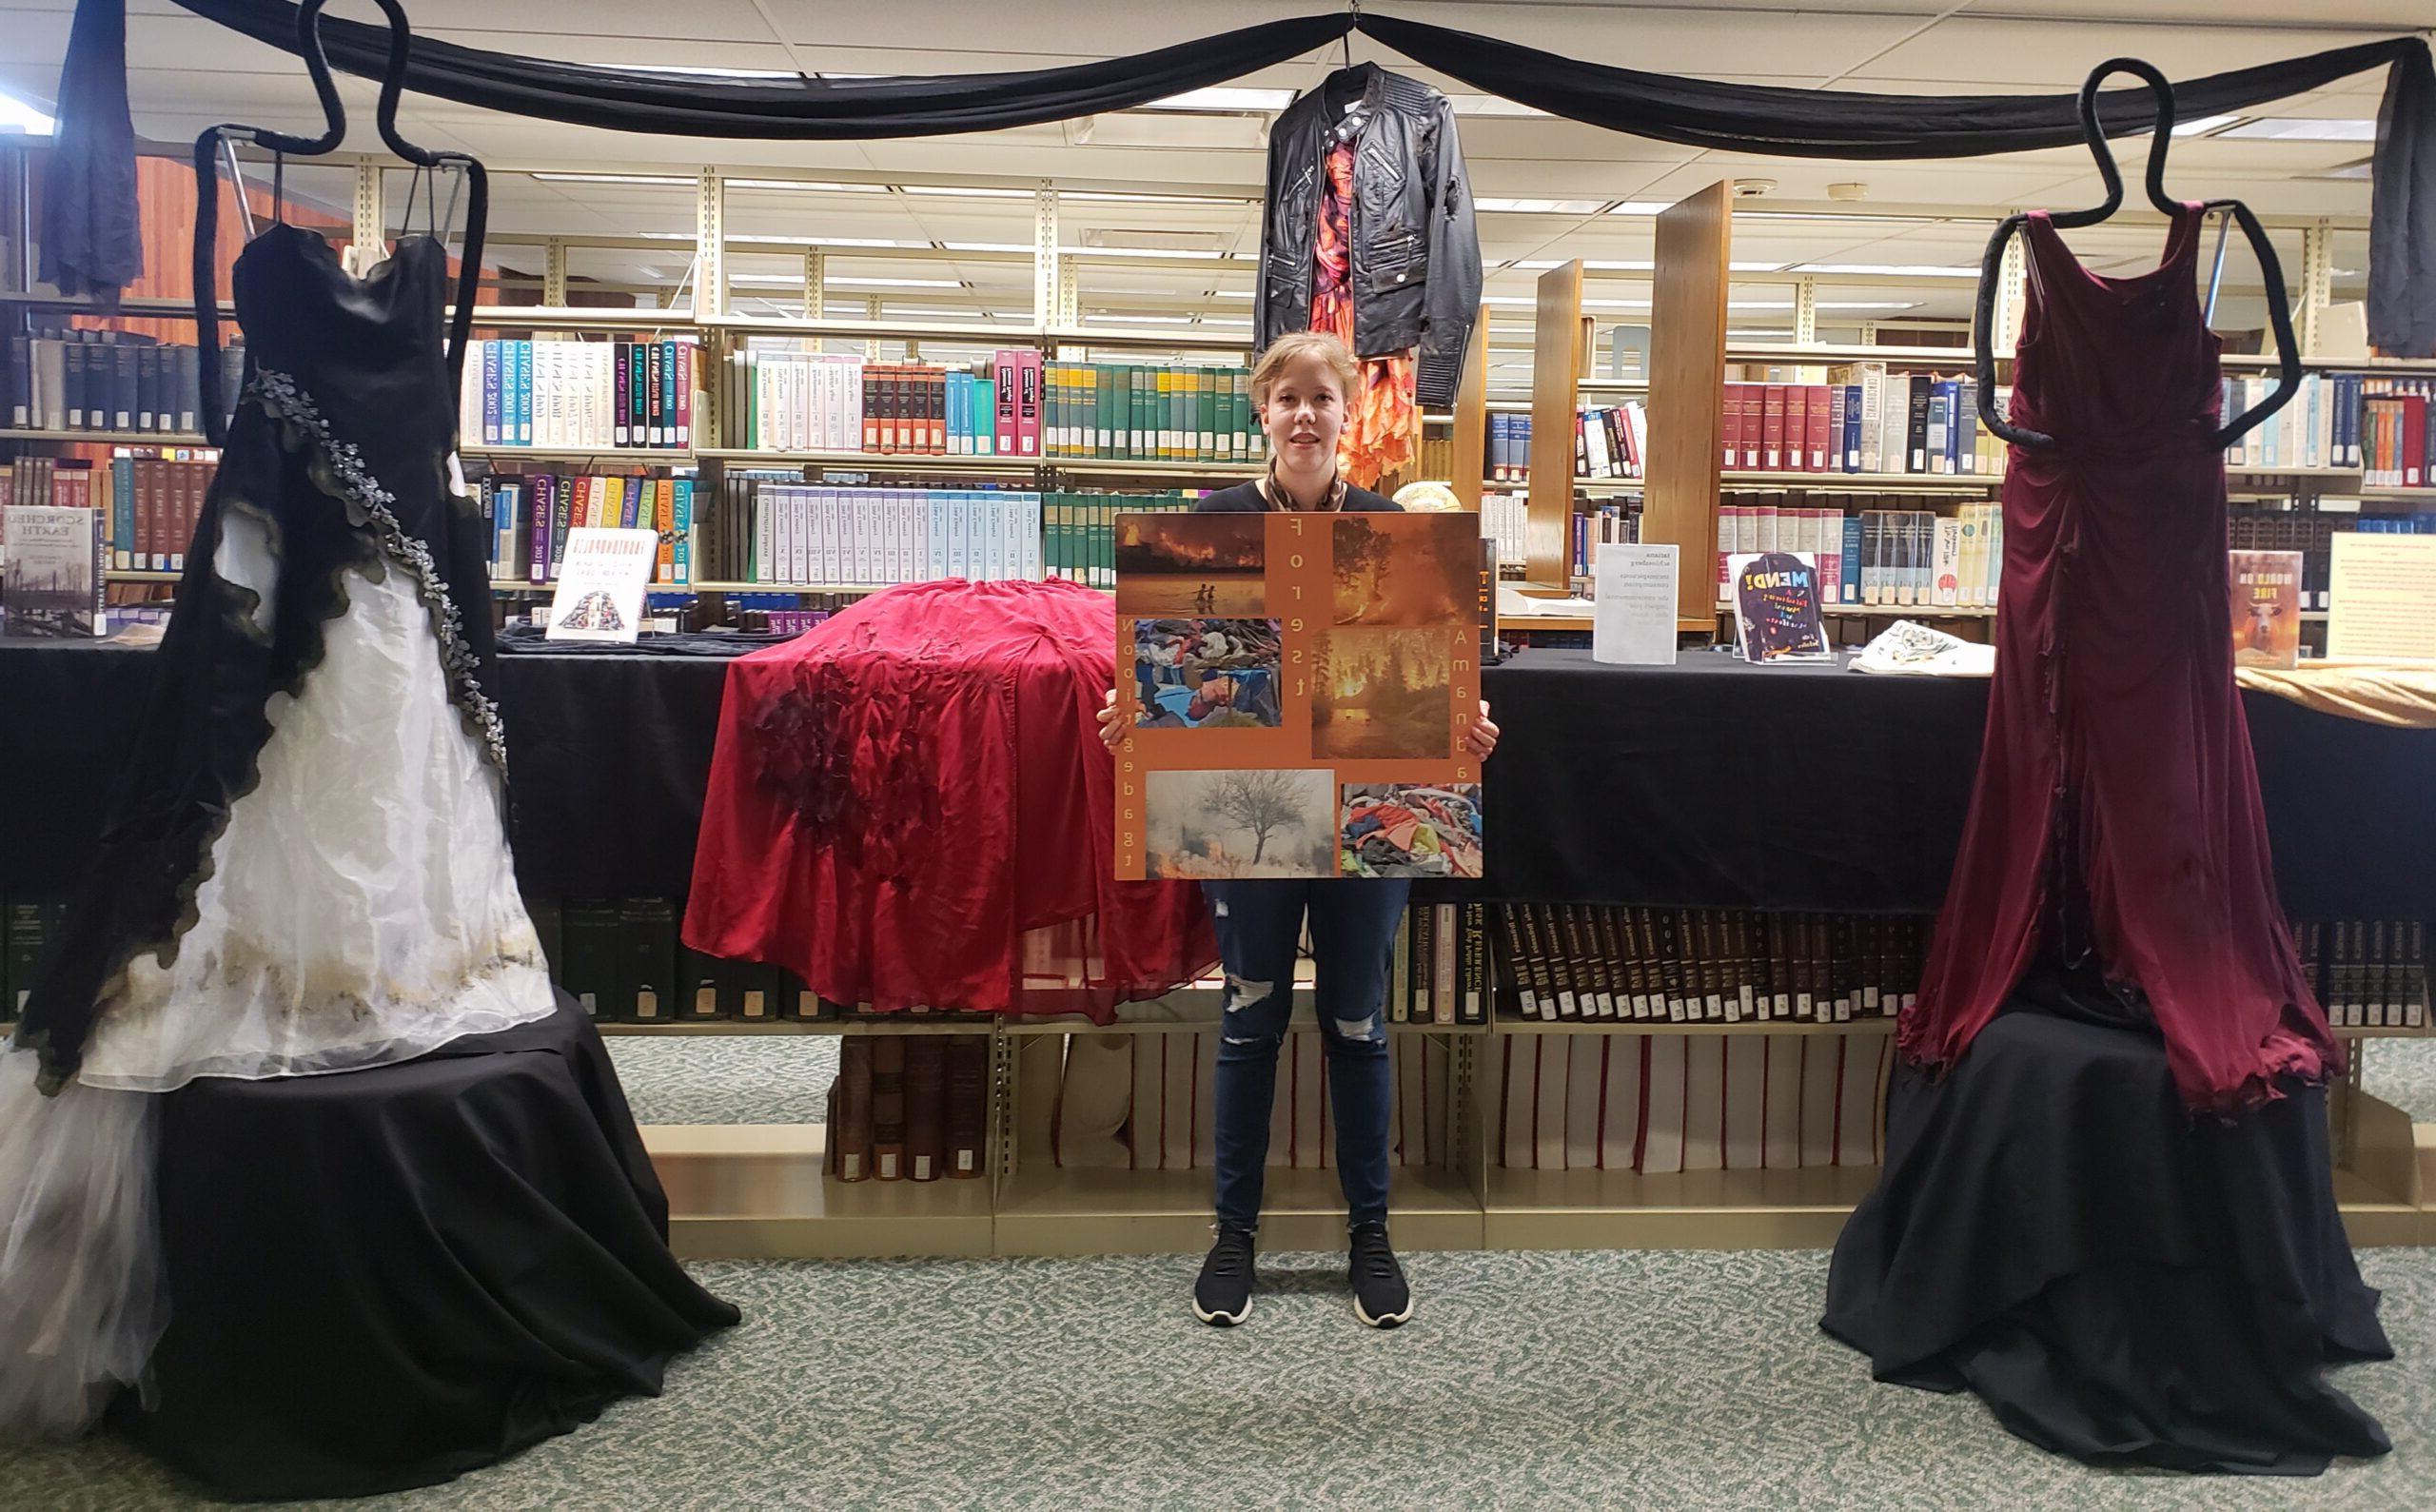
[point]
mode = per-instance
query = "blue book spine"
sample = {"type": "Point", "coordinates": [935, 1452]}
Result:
{"type": "Point", "coordinates": [668, 390]}
{"type": "Point", "coordinates": [681, 560]}
{"type": "Point", "coordinates": [1852, 573]}
{"type": "Point", "coordinates": [1500, 437]}
{"type": "Point", "coordinates": [491, 355]}
{"type": "Point", "coordinates": [519, 393]}
{"type": "Point", "coordinates": [507, 501]}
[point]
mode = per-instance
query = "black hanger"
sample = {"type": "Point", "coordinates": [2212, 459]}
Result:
{"type": "Point", "coordinates": [213, 141]}
{"type": "Point", "coordinates": [208, 147]}
{"type": "Point", "coordinates": [2279, 307]}
{"type": "Point", "coordinates": [477, 189]}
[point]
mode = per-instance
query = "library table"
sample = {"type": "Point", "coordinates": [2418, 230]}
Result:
{"type": "Point", "coordinates": [1708, 783]}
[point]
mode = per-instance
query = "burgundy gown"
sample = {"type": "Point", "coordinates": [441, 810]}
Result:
{"type": "Point", "coordinates": [2116, 808]}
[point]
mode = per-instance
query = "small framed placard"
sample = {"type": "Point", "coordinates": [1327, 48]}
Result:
{"type": "Point", "coordinates": [601, 585]}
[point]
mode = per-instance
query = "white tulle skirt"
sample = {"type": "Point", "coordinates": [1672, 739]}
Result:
{"type": "Point", "coordinates": [359, 908]}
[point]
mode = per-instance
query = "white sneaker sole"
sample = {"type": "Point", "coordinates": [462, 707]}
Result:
{"type": "Point", "coordinates": [1390, 1321]}
{"type": "Point", "coordinates": [1223, 1320]}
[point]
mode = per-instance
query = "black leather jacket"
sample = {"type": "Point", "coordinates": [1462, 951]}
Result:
{"type": "Point", "coordinates": [1415, 251]}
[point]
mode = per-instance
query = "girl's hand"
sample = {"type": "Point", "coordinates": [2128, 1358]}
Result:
{"type": "Point", "coordinates": [1480, 739]}
{"type": "Point", "coordinates": [1115, 726]}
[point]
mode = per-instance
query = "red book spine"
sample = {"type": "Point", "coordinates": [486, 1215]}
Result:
{"type": "Point", "coordinates": [1730, 426]}
{"type": "Point", "coordinates": [1772, 427]}
{"type": "Point", "coordinates": [1823, 408]}
{"type": "Point", "coordinates": [684, 355]}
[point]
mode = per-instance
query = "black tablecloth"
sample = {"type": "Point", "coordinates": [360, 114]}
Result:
{"type": "Point", "coordinates": [2119, 1283]}
{"type": "Point", "coordinates": [1716, 784]}
{"type": "Point", "coordinates": [384, 1278]}
{"type": "Point", "coordinates": [1705, 784]}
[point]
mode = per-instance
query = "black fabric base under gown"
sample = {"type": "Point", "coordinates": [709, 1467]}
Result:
{"type": "Point", "coordinates": [2119, 1282]}
{"type": "Point", "coordinates": [384, 1278]}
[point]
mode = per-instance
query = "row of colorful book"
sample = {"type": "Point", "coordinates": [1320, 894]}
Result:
{"type": "Point", "coordinates": [1558, 961]}
{"type": "Point", "coordinates": [1890, 557]}
{"type": "Point", "coordinates": [149, 498]}
{"type": "Point", "coordinates": [2397, 427]}
{"type": "Point", "coordinates": [1660, 1104]}
{"type": "Point", "coordinates": [1145, 1101]}
{"type": "Point", "coordinates": [1864, 419]}
{"type": "Point", "coordinates": [800, 402]}
{"type": "Point", "coordinates": [2322, 426]}
{"type": "Point", "coordinates": [1603, 523]}
{"type": "Point", "coordinates": [570, 393]}
{"type": "Point", "coordinates": [530, 516]}
{"type": "Point", "coordinates": [1609, 442]}
{"type": "Point", "coordinates": [72, 380]}
{"type": "Point", "coordinates": [909, 1107]}
{"type": "Point", "coordinates": [2369, 974]}
{"type": "Point", "coordinates": [1137, 412]}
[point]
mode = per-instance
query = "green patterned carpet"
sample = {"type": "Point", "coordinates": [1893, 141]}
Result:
{"type": "Point", "coordinates": [1610, 1379]}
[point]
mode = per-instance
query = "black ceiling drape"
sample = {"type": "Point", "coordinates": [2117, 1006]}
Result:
{"type": "Point", "coordinates": [1752, 118]}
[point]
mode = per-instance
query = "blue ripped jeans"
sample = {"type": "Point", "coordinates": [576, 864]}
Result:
{"type": "Point", "coordinates": [1353, 929]}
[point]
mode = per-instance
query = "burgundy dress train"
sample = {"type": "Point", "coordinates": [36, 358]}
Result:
{"type": "Point", "coordinates": [2055, 1230]}
{"type": "Point", "coordinates": [2117, 806]}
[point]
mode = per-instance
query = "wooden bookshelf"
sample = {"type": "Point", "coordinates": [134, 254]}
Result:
{"type": "Point", "coordinates": [110, 437]}
{"type": "Point", "coordinates": [1747, 1026]}
{"type": "Point", "coordinates": [1741, 478]}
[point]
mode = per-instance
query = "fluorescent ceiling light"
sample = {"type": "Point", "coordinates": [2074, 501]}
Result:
{"type": "Point", "coordinates": [20, 115]}
{"type": "Point", "coordinates": [1871, 304]}
{"type": "Point", "coordinates": [807, 186]}
{"type": "Point", "coordinates": [1527, 207]}
{"type": "Point", "coordinates": [1107, 197]}
{"type": "Point", "coordinates": [2302, 128]}
{"type": "Point", "coordinates": [1759, 335]}
{"type": "Point", "coordinates": [987, 247]}
{"type": "Point", "coordinates": [2203, 125]}
{"type": "Point", "coordinates": [1234, 293]}
{"type": "Point", "coordinates": [1147, 251]}
{"type": "Point", "coordinates": [1888, 269]}
{"type": "Point", "coordinates": [665, 179]}
{"type": "Point", "coordinates": [1641, 206]}
{"type": "Point", "coordinates": [851, 282]}
{"type": "Point", "coordinates": [1224, 97]}
{"type": "Point", "coordinates": [953, 192]}
{"type": "Point", "coordinates": [1102, 317]}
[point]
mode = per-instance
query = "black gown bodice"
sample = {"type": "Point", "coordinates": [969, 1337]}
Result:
{"type": "Point", "coordinates": [341, 450]}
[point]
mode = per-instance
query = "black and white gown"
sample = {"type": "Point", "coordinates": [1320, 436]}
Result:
{"type": "Point", "coordinates": [307, 869]}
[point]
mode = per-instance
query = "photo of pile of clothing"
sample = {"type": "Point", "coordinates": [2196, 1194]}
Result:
{"type": "Point", "coordinates": [1206, 674]}
{"type": "Point", "coordinates": [1394, 830]}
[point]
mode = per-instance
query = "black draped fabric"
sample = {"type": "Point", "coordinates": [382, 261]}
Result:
{"type": "Point", "coordinates": [1734, 117]}
{"type": "Point", "coordinates": [92, 243]}
{"type": "Point", "coordinates": [2119, 1282]}
{"type": "Point", "coordinates": [338, 447]}
{"type": "Point", "coordinates": [1708, 783]}
{"type": "Point", "coordinates": [482, 1223]}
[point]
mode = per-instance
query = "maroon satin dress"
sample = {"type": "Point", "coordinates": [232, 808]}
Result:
{"type": "Point", "coordinates": [2116, 810]}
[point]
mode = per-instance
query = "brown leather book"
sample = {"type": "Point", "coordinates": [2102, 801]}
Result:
{"type": "Point", "coordinates": [888, 1107]}
{"type": "Point", "coordinates": [968, 1106]}
{"type": "Point", "coordinates": [850, 1131]}
{"type": "Point", "coordinates": [925, 1134]}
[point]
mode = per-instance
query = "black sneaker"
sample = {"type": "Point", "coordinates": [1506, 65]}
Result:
{"type": "Point", "coordinates": [1381, 1298]}
{"type": "Point", "coordinates": [1223, 1296]}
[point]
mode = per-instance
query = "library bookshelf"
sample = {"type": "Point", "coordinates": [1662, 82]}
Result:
{"type": "Point", "coordinates": [760, 1190]}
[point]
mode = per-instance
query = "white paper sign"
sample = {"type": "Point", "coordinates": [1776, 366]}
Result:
{"type": "Point", "coordinates": [1634, 623]}
{"type": "Point", "coordinates": [2381, 588]}
{"type": "Point", "coordinates": [601, 585]}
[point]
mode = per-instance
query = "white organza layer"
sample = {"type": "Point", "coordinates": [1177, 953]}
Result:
{"type": "Point", "coordinates": [362, 906]}
{"type": "Point", "coordinates": [80, 1294]}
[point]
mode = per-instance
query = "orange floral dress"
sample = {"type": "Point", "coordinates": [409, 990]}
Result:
{"type": "Point", "coordinates": [1382, 419]}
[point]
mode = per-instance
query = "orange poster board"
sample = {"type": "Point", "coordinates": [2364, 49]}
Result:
{"type": "Point", "coordinates": [1300, 685]}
